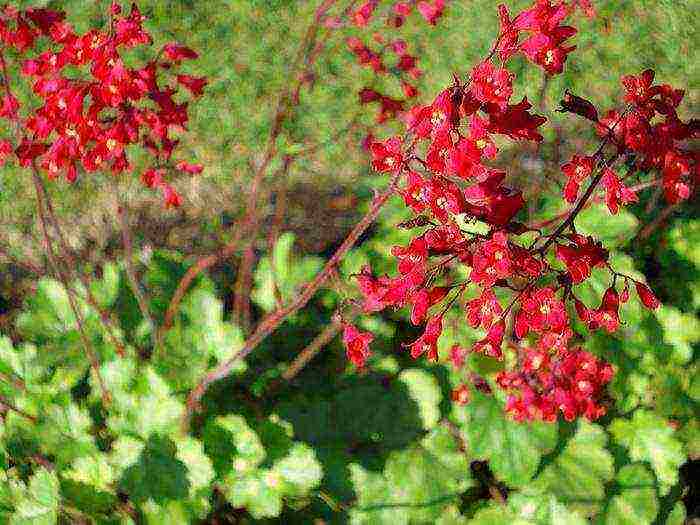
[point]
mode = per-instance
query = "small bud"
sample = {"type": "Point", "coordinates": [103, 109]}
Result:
{"type": "Point", "coordinates": [647, 296]}
{"type": "Point", "coordinates": [580, 106]}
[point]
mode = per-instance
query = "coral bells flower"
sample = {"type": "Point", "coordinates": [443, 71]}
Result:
{"type": "Point", "coordinates": [457, 356]}
{"type": "Point", "coordinates": [483, 310]}
{"type": "Point", "coordinates": [431, 10]}
{"type": "Point", "coordinates": [540, 310]}
{"type": "Point", "coordinates": [492, 260]}
{"type": "Point", "coordinates": [423, 300]}
{"type": "Point", "coordinates": [387, 156]}
{"type": "Point", "coordinates": [576, 171]}
{"type": "Point", "coordinates": [492, 202]}
{"type": "Point", "coordinates": [363, 15]}
{"type": "Point", "coordinates": [607, 315]}
{"type": "Point", "coordinates": [570, 382]}
{"type": "Point", "coordinates": [461, 395]}
{"type": "Point", "coordinates": [585, 254]}
{"type": "Point", "coordinates": [491, 344]}
{"type": "Point", "coordinates": [647, 296]}
{"type": "Point", "coordinates": [427, 343]}
{"type": "Point", "coordinates": [356, 344]}
{"type": "Point", "coordinates": [178, 53]}
{"type": "Point", "coordinates": [491, 84]}
{"type": "Point", "coordinates": [616, 193]}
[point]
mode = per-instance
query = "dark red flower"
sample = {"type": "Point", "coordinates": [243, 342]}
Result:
{"type": "Point", "coordinates": [483, 310]}
{"type": "Point", "coordinates": [356, 344]}
{"type": "Point", "coordinates": [492, 260]}
{"type": "Point", "coordinates": [387, 156]}
{"type": "Point", "coordinates": [647, 296]}
{"type": "Point", "coordinates": [491, 84]}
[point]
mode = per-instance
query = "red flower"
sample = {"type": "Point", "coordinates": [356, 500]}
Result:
{"type": "Point", "coordinates": [387, 156]}
{"type": "Point", "coordinates": [493, 203]}
{"type": "Point", "coordinates": [195, 85]}
{"type": "Point", "coordinates": [431, 11]}
{"type": "Point", "coordinates": [364, 13]}
{"type": "Point", "coordinates": [492, 260]}
{"type": "Point", "coordinates": [638, 90]}
{"type": "Point", "coordinates": [580, 258]}
{"type": "Point", "coordinates": [5, 151]}
{"type": "Point", "coordinates": [607, 315]}
{"type": "Point", "coordinates": [483, 310]}
{"type": "Point", "coordinates": [192, 169]}
{"type": "Point", "coordinates": [374, 290]}
{"type": "Point", "coordinates": [616, 192]}
{"type": "Point", "coordinates": [516, 122]}
{"type": "Point", "coordinates": [409, 90]}
{"type": "Point", "coordinates": [540, 310]}
{"type": "Point", "coordinates": [491, 84]}
{"type": "Point", "coordinates": [491, 344]}
{"type": "Point", "coordinates": [172, 197]}
{"type": "Point", "coordinates": [545, 49]}
{"type": "Point", "coordinates": [577, 170]}
{"type": "Point", "coordinates": [177, 52]}
{"type": "Point", "coordinates": [423, 300]}
{"type": "Point", "coordinates": [457, 355]}
{"type": "Point", "coordinates": [357, 345]}
{"type": "Point", "coordinates": [647, 296]}
{"type": "Point", "coordinates": [9, 107]}
{"type": "Point", "coordinates": [427, 343]}
{"type": "Point", "coordinates": [461, 395]}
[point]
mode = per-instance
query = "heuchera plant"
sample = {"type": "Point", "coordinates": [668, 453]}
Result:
{"type": "Point", "coordinates": [92, 105]}
{"type": "Point", "coordinates": [442, 159]}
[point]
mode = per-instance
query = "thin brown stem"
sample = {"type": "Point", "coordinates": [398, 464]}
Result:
{"type": "Point", "coordinates": [139, 293]}
{"type": "Point", "coordinates": [87, 344]}
{"type": "Point", "coordinates": [7, 405]}
{"type": "Point", "coordinates": [270, 323]}
{"type": "Point", "coordinates": [73, 269]}
{"type": "Point", "coordinates": [308, 353]}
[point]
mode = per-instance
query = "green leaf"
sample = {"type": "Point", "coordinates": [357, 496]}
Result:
{"type": "Point", "coordinates": [283, 270]}
{"type": "Point", "coordinates": [576, 474]}
{"type": "Point", "coordinates": [64, 433]}
{"type": "Point", "coordinates": [157, 473]}
{"type": "Point", "coordinates": [418, 483]}
{"type": "Point", "coordinates": [680, 331]}
{"type": "Point", "coordinates": [232, 445]}
{"type": "Point", "coordinates": [649, 437]}
{"type": "Point", "coordinates": [300, 470]}
{"type": "Point", "coordinates": [88, 484]}
{"type": "Point", "coordinates": [39, 504]}
{"type": "Point", "coordinates": [613, 230]}
{"type": "Point", "coordinates": [513, 449]}
{"type": "Point", "coordinates": [636, 504]}
{"type": "Point", "coordinates": [543, 509]}
{"type": "Point", "coordinates": [258, 492]}
{"type": "Point", "coordinates": [425, 391]}
{"type": "Point", "coordinates": [145, 406]}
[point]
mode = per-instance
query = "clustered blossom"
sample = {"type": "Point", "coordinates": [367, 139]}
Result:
{"type": "Point", "coordinates": [569, 382]}
{"type": "Point", "coordinates": [93, 106]}
{"type": "Point", "coordinates": [404, 65]}
{"type": "Point", "coordinates": [447, 182]}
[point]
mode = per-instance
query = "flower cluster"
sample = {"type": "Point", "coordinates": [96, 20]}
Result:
{"type": "Point", "coordinates": [515, 269]}
{"type": "Point", "coordinates": [545, 384]}
{"type": "Point", "coordinates": [93, 106]}
{"type": "Point", "coordinates": [403, 65]}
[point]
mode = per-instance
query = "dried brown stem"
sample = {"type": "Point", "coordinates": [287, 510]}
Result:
{"type": "Point", "coordinates": [308, 353]}
{"type": "Point", "coordinates": [139, 293]}
{"type": "Point", "coordinates": [41, 195]}
{"type": "Point", "coordinates": [7, 405]}
{"type": "Point", "coordinates": [270, 323]}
